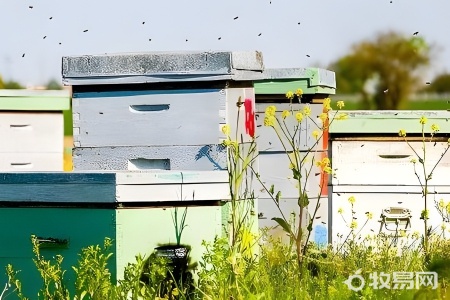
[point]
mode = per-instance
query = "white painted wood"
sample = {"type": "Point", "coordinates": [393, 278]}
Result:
{"type": "Point", "coordinates": [199, 158]}
{"type": "Point", "coordinates": [387, 163]}
{"type": "Point", "coordinates": [148, 118]}
{"type": "Point", "coordinates": [26, 162]}
{"type": "Point", "coordinates": [274, 169]}
{"type": "Point", "coordinates": [268, 139]}
{"type": "Point", "coordinates": [392, 189]}
{"type": "Point", "coordinates": [373, 201]}
{"type": "Point", "coordinates": [170, 177]}
{"type": "Point", "coordinates": [267, 210]}
{"type": "Point", "coordinates": [24, 132]}
{"type": "Point", "coordinates": [233, 111]}
{"type": "Point", "coordinates": [172, 192]}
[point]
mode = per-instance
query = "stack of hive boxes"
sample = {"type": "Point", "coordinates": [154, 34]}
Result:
{"type": "Point", "coordinates": [374, 166]}
{"type": "Point", "coordinates": [147, 137]}
{"type": "Point", "coordinates": [316, 84]}
{"type": "Point", "coordinates": [32, 130]}
{"type": "Point", "coordinates": [160, 114]}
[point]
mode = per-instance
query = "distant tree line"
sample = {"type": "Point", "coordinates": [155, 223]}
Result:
{"type": "Point", "coordinates": [11, 84]}
{"type": "Point", "coordinates": [387, 69]}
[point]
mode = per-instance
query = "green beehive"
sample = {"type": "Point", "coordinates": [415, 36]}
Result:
{"type": "Point", "coordinates": [69, 211]}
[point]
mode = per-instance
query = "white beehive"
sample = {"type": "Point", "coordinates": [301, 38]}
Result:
{"type": "Point", "coordinates": [32, 128]}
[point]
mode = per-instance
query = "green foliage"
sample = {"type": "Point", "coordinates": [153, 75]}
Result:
{"type": "Point", "coordinates": [53, 85]}
{"type": "Point", "coordinates": [52, 274]}
{"type": "Point", "coordinates": [440, 84]}
{"type": "Point", "coordinates": [93, 276]}
{"type": "Point", "coordinates": [391, 61]}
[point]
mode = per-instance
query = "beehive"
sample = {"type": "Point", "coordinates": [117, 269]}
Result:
{"type": "Point", "coordinates": [159, 110]}
{"type": "Point", "coordinates": [32, 128]}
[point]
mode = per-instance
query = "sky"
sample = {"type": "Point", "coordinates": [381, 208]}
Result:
{"type": "Point", "coordinates": [327, 30]}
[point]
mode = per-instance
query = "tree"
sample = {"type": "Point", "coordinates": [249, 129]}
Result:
{"type": "Point", "coordinates": [9, 84]}
{"type": "Point", "coordinates": [12, 85]}
{"type": "Point", "coordinates": [54, 85]}
{"type": "Point", "coordinates": [391, 63]}
{"type": "Point", "coordinates": [440, 84]}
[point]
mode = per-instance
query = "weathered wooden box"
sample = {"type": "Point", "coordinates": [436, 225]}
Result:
{"type": "Point", "coordinates": [69, 211]}
{"type": "Point", "coordinates": [317, 84]}
{"type": "Point", "coordinates": [32, 128]}
{"type": "Point", "coordinates": [373, 164]}
{"type": "Point", "coordinates": [159, 110]}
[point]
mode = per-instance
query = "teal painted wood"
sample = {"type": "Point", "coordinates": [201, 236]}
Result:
{"type": "Point", "coordinates": [148, 67]}
{"type": "Point", "coordinates": [361, 122]}
{"type": "Point", "coordinates": [171, 117]}
{"type": "Point", "coordinates": [34, 100]}
{"type": "Point", "coordinates": [81, 227]}
{"type": "Point", "coordinates": [58, 187]}
{"type": "Point", "coordinates": [310, 80]}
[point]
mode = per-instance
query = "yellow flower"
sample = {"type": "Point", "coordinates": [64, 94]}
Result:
{"type": "Point", "coordinates": [369, 215]}
{"type": "Point", "coordinates": [299, 92]}
{"type": "Point", "coordinates": [269, 121]}
{"type": "Point", "coordinates": [415, 235]}
{"type": "Point", "coordinates": [285, 114]}
{"type": "Point", "coordinates": [323, 117]}
{"type": "Point", "coordinates": [403, 233]}
{"type": "Point", "coordinates": [328, 170]}
{"type": "Point", "coordinates": [325, 162]}
{"type": "Point", "coordinates": [423, 120]}
{"type": "Point", "coordinates": [402, 132]}
{"type": "Point", "coordinates": [291, 166]}
{"type": "Point", "coordinates": [434, 127]}
{"type": "Point", "coordinates": [447, 208]}
{"type": "Point", "coordinates": [353, 225]}
{"type": "Point", "coordinates": [441, 203]}
{"type": "Point", "coordinates": [443, 226]}
{"type": "Point", "coordinates": [341, 117]}
{"type": "Point", "coordinates": [290, 95]}
{"type": "Point", "coordinates": [316, 134]}
{"type": "Point", "coordinates": [270, 110]}
{"type": "Point", "coordinates": [340, 210]}
{"type": "Point", "coordinates": [352, 200]}
{"type": "Point", "coordinates": [226, 130]}
{"type": "Point", "coordinates": [299, 116]}
{"type": "Point", "coordinates": [340, 104]}
{"type": "Point", "coordinates": [307, 110]}
{"type": "Point", "coordinates": [326, 104]}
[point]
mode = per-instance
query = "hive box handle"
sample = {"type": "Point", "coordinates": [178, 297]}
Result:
{"type": "Point", "coordinates": [148, 164]}
{"type": "Point", "coordinates": [49, 242]}
{"type": "Point", "coordinates": [21, 126]}
{"type": "Point", "coordinates": [22, 165]}
{"type": "Point", "coordinates": [148, 108]}
{"type": "Point", "coordinates": [394, 156]}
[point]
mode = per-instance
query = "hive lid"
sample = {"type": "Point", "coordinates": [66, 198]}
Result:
{"type": "Point", "coordinates": [34, 100]}
{"type": "Point", "coordinates": [150, 67]}
{"type": "Point", "coordinates": [310, 80]}
{"type": "Point", "coordinates": [390, 121]}
{"type": "Point", "coordinates": [112, 187]}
